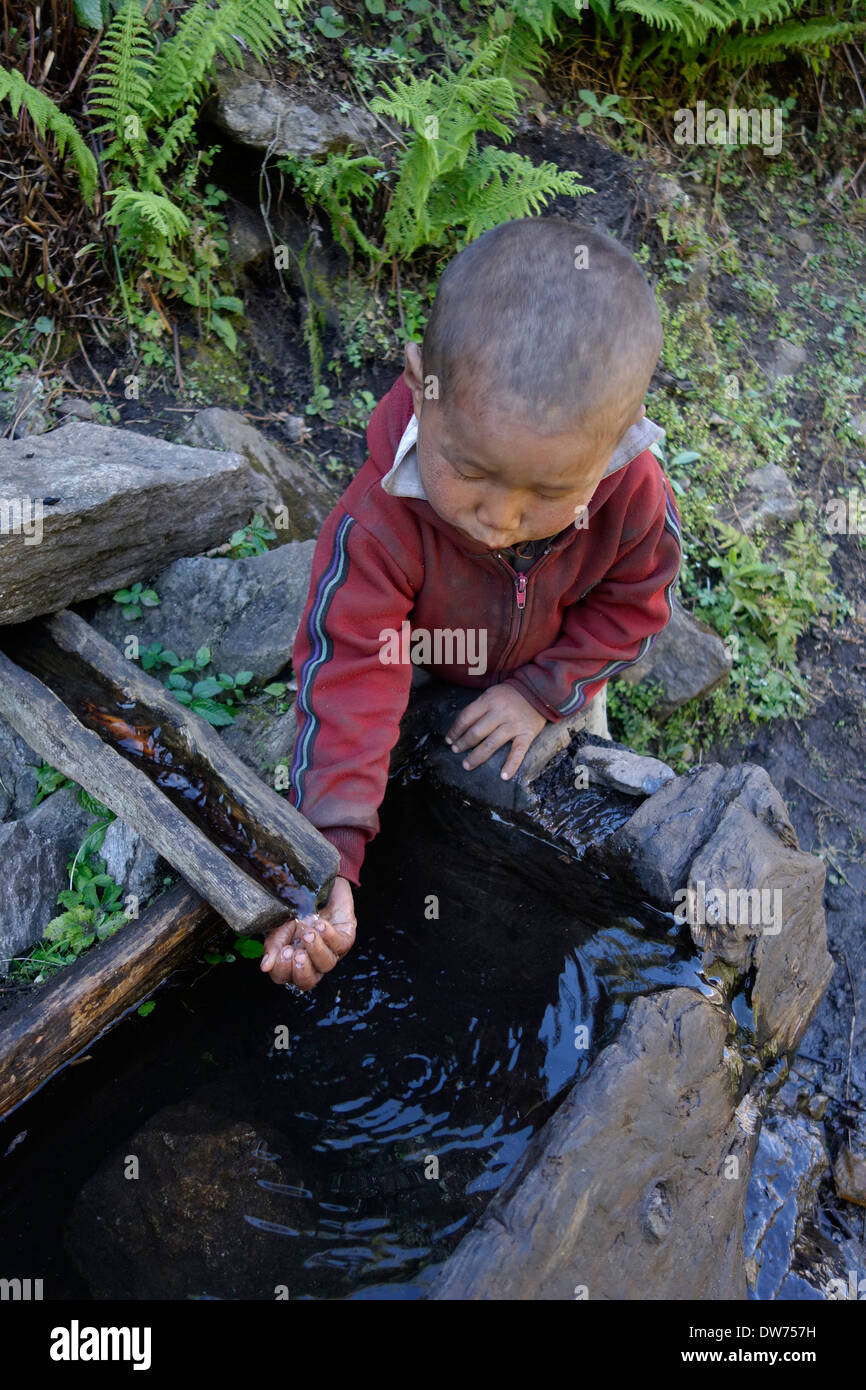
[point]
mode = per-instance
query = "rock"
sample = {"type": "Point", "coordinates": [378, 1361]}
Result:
{"type": "Point", "coordinates": [18, 764]}
{"type": "Point", "coordinates": [22, 404]}
{"type": "Point", "coordinates": [174, 1234]}
{"type": "Point", "coordinates": [668, 191]}
{"type": "Point", "coordinates": [132, 862]}
{"type": "Point", "coordinates": [261, 738]}
{"type": "Point", "coordinates": [788, 360]}
{"type": "Point", "coordinates": [248, 239]}
{"type": "Point", "coordinates": [623, 1193]}
{"type": "Point", "coordinates": [308, 498]}
{"type": "Point", "coordinates": [688, 810]}
{"type": "Point", "coordinates": [35, 851]}
{"type": "Point", "coordinates": [766, 497]}
{"type": "Point", "coordinates": [718, 848]}
{"type": "Point", "coordinates": [88, 509]}
{"type": "Point", "coordinates": [257, 111]}
{"type": "Point", "coordinates": [790, 1161]}
{"type": "Point", "coordinates": [800, 238]}
{"type": "Point", "coordinates": [246, 611]}
{"type": "Point", "coordinates": [688, 659]}
{"type": "Point", "coordinates": [849, 1174]}
{"type": "Point", "coordinates": [76, 408]}
{"type": "Point", "coordinates": [623, 770]}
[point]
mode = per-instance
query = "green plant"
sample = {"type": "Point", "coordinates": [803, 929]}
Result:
{"type": "Point", "coordinates": [215, 698]}
{"type": "Point", "coordinates": [48, 118]}
{"type": "Point", "coordinates": [92, 912]}
{"type": "Point", "coordinates": [446, 188]}
{"type": "Point", "coordinates": [135, 599]}
{"type": "Point", "coordinates": [147, 94]}
{"type": "Point", "coordinates": [248, 947]}
{"type": "Point", "coordinates": [320, 402]}
{"type": "Point", "coordinates": [604, 109]}
{"type": "Point", "coordinates": [252, 539]}
{"type": "Point", "coordinates": [49, 780]}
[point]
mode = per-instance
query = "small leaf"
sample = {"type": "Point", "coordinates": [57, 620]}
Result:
{"type": "Point", "coordinates": [209, 686]}
{"type": "Point", "coordinates": [202, 657]}
{"type": "Point", "coordinates": [276, 688]}
{"type": "Point", "coordinates": [144, 1009]}
{"type": "Point", "coordinates": [215, 714]}
{"type": "Point", "coordinates": [183, 697]}
{"type": "Point", "coordinates": [249, 947]}
{"type": "Point", "coordinates": [243, 677]}
{"type": "Point", "coordinates": [150, 598]}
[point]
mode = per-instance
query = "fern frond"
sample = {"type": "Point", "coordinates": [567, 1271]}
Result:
{"type": "Point", "coordinates": [185, 61]}
{"type": "Point", "coordinates": [47, 116]}
{"type": "Point", "coordinates": [757, 12]}
{"type": "Point", "coordinates": [121, 86]}
{"type": "Point", "coordinates": [156, 211]}
{"type": "Point", "coordinates": [173, 141]}
{"type": "Point", "coordinates": [501, 185]}
{"type": "Point", "coordinates": [786, 38]}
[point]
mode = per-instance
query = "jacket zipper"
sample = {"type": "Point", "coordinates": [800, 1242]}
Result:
{"type": "Point", "coordinates": [520, 585]}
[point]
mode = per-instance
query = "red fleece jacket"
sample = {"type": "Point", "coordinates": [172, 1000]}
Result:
{"type": "Point", "coordinates": [592, 604]}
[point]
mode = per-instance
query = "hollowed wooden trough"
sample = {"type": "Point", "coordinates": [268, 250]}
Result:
{"type": "Point", "coordinates": [246, 855]}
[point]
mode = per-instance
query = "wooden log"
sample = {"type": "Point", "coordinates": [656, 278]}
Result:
{"type": "Point", "coordinates": [67, 661]}
{"type": "Point", "coordinates": [60, 1019]}
{"type": "Point", "coordinates": [87, 509]}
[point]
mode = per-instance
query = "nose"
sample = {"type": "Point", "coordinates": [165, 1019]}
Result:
{"type": "Point", "coordinates": [499, 512]}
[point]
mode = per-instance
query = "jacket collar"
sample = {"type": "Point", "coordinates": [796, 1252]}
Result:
{"type": "Point", "coordinates": [404, 480]}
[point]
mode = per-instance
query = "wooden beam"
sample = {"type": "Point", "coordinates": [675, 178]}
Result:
{"type": "Point", "coordinates": [59, 1020]}
{"type": "Point", "coordinates": [274, 848]}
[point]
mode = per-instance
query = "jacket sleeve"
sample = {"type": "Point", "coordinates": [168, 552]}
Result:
{"type": "Point", "coordinates": [616, 623]}
{"type": "Point", "coordinates": [349, 701]}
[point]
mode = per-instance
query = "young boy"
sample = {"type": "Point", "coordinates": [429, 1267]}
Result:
{"type": "Point", "coordinates": [510, 499]}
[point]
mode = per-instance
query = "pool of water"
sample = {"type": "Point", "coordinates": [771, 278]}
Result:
{"type": "Point", "coordinates": [247, 1142]}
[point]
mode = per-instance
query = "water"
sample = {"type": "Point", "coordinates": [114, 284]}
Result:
{"type": "Point", "coordinates": [487, 973]}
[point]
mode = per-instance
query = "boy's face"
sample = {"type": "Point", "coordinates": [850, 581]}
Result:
{"type": "Point", "coordinates": [494, 477]}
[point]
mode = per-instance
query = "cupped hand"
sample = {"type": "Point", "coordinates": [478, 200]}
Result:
{"type": "Point", "coordinates": [300, 952]}
{"type": "Point", "coordinates": [500, 715]}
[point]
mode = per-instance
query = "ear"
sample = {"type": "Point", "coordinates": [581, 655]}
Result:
{"type": "Point", "coordinates": [413, 375]}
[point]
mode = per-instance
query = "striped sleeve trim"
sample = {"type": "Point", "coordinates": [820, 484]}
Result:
{"type": "Point", "coordinates": [577, 698]}
{"type": "Point", "coordinates": [321, 650]}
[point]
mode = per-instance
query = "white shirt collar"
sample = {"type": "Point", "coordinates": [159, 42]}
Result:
{"type": "Point", "coordinates": [404, 480]}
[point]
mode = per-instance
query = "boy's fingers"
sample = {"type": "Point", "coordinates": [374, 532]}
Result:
{"type": "Point", "coordinates": [483, 751]}
{"type": "Point", "coordinates": [305, 975]}
{"type": "Point", "coordinates": [274, 943]}
{"type": "Point", "coordinates": [321, 955]}
{"type": "Point", "coordinates": [515, 757]}
{"type": "Point", "coordinates": [340, 936]}
{"type": "Point", "coordinates": [281, 970]}
{"type": "Point", "coordinates": [465, 719]}
{"type": "Point", "coordinates": [483, 725]}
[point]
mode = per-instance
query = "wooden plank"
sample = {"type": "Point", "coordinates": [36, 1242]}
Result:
{"type": "Point", "coordinates": [60, 1019]}
{"type": "Point", "coordinates": [278, 827]}
{"type": "Point", "coordinates": [283, 838]}
{"type": "Point", "coordinates": [86, 509]}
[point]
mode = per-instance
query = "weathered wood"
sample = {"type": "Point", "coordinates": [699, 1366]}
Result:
{"type": "Point", "coordinates": [57, 1021]}
{"type": "Point", "coordinates": [64, 651]}
{"type": "Point", "coordinates": [87, 509]}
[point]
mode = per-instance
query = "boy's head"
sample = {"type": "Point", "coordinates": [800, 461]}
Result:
{"type": "Point", "coordinates": [540, 347]}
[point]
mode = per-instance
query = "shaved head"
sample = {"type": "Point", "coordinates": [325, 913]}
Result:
{"type": "Point", "coordinates": [546, 319]}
